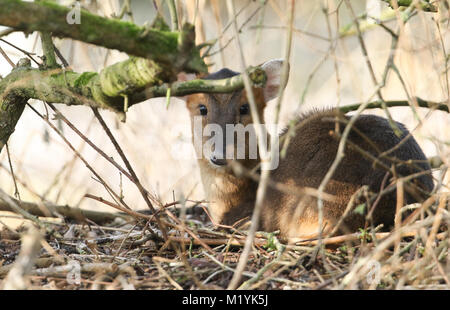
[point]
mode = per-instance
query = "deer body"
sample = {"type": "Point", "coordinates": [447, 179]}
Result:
{"type": "Point", "coordinates": [310, 154]}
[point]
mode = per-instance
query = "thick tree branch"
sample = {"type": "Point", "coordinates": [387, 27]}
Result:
{"type": "Point", "coordinates": [51, 210]}
{"type": "Point", "coordinates": [164, 47]}
{"type": "Point", "coordinates": [11, 106]}
{"type": "Point", "coordinates": [103, 90]}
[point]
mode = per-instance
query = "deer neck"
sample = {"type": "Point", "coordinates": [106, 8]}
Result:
{"type": "Point", "coordinates": [226, 193]}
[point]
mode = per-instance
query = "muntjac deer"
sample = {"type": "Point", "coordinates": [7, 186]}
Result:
{"type": "Point", "coordinates": [309, 156]}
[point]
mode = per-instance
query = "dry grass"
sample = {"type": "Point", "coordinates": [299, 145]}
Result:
{"type": "Point", "coordinates": [125, 255]}
{"type": "Point", "coordinates": [326, 70]}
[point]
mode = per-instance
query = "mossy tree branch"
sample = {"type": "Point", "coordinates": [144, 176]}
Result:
{"type": "Point", "coordinates": [49, 50]}
{"type": "Point", "coordinates": [158, 45]}
{"type": "Point", "coordinates": [257, 76]}
{"type": "Point", "coordinates": [103, 90]}
{"type": "Point", "coordinates": [11, 106]}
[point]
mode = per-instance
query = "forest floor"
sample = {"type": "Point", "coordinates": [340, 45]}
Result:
{"type": "Point", "coordinates": [132, 254]}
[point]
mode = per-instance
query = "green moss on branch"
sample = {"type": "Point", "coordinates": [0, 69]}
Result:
{"type": "Point", "coordinates": [103, 90]}
{"type": "Point", "coordinates": [158, 45]}
{"type": "Point", "coordinates": [256, 74]}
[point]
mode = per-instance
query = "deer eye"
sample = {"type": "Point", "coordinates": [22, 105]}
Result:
{"type": "Point", "coordinates": [244, 109]}
{"type": "Point", "coordinates": [203, 109]}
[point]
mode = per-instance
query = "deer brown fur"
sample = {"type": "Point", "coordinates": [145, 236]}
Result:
{"type": "Point", "coordinates": [310, 154]}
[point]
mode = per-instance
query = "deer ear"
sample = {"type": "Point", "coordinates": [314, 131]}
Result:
{"type": "Point", "coordinates": [183, 76]}
{"type": "Point", "coordinates": [273, 71]}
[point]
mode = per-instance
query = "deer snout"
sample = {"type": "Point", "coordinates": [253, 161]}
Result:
{"type": "Point", "coordinates": [218, 156]}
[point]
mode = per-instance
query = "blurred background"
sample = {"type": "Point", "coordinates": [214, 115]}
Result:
{"type": "Point", "coordinates": [328, 69]}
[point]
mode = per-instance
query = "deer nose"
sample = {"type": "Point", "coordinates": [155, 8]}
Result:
{"type": "Point", "coordinates": [217, 161]}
